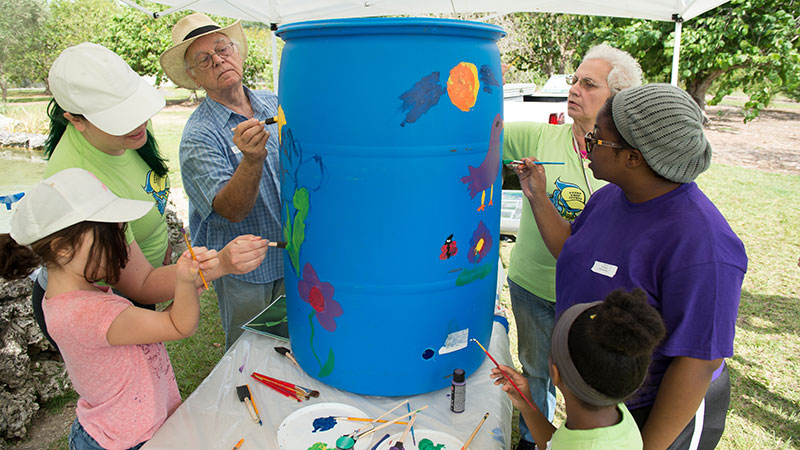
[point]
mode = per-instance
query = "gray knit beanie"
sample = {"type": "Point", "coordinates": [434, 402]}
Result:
{"type": "Point", "coordinates": [666, 125]}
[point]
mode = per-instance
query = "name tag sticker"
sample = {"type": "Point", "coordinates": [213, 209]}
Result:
{"type": "Point", "coordinates": [606, 269]}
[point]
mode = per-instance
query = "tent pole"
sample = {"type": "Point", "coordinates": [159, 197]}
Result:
{"type": "Point", "coordinates": [275, 62]}
{"type": "Point", "coordinates": [676, 49]}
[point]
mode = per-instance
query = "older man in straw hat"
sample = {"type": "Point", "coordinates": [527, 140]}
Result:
{"type": "Point", "coordinates": [231, 177]}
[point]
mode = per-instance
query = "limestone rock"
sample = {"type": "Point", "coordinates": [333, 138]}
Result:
{"type": "Point", "coordinates": [17, 407]}
{"type": "Point", "coordinates": [15, 289]}
{"type": "Point", "coordinates": [174, 225]}
{"type": "Point", "coordinates": [50, 379]}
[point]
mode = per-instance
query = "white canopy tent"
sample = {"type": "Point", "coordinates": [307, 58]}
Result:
{"type": "Point", "coordinates": [279, 12]}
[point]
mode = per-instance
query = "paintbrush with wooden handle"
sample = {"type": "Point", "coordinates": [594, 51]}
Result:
{"type": "Point", "coordinates": [391, 422]}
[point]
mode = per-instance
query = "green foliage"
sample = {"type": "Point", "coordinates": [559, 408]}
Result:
{"type": "Point", "coordinates": [140, 39]}
{"type": "Point", "coordinates": [76, 21]}
{"type": "Point", "coordinates": [34, 32]}
{"type": "Point", "coordinates": [21, 31]}
{"type": "Point", "coordinates": [543, 43]}
{"type": "Point", "coordinates": [748, 45]}
{"type": "Point", "coordinates": [258, 67]}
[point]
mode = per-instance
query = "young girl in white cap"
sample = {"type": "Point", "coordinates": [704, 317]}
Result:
{"type": "Point", "coordinates": [599, 354]}
{"type": "Point", "coordinates": [112, 350]}
{"type": "Point", "coordinates": [99, 122]}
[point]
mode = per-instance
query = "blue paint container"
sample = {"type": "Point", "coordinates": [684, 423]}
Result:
{"type": "Point", "coordinates": [391, 134]}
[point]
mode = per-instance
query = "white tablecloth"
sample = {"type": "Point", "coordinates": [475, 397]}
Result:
{"type": "Point", "coordinates": [214, 418]}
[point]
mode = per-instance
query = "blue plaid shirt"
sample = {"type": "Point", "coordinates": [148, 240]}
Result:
{"type": "Point", "coordinates": [208, 161]}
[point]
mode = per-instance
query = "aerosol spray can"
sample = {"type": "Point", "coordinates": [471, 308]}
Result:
{"type": "Point", "coordinates": [458, 391]}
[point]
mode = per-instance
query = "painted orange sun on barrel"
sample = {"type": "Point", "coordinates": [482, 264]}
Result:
{"type": "Point", "coordinates": [462, 85]}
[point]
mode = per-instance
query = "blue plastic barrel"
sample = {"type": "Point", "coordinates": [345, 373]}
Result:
{"type": "Point", "coordinates": [390, 152]}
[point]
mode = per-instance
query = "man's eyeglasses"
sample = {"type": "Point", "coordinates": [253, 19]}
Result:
{"type": "Point", "coordinates": [586, 83]}
{"type": "Point", "coordinates": [591, 141]}
{"type": "Point", "coordinates": [204, 61]}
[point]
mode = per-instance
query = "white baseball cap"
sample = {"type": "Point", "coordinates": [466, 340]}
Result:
{"type": "Point", "coordinates": [93, 81]}
{"type": "Point", "coordinates": [66, 198]}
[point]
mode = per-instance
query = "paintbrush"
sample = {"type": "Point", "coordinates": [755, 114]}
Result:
{"type": "Point", "coordinates": [472, 436]}
{"type": "Point", "coordinates": [299, 389]}
{"type": "Point", "coordinates": [245, 396]}
{"type": "Point", "coordinates": [391, 422]}
{"type": "Point", "coordinates": [361, 419]}
{"type": "Point", "coordinates": [269, 121]}
{"type": "Point", "coordinates": [281, 390]}
{"type": "Point", "coordinates": [399, 444]}
{"type": "Point", "coordinates": [279, 244]}
{"type": "Point", "coordinates": [413, 438]}
{"type": "Point", "coordinates": [286, 391]}
{"type": "Point", "coordinates": [358, 430]}
{"type": "Point", "coordinates": [287, 353]}
{"type": "Point", "coordinates": [518, 162]}
{"type": "Point", "coordinates": [504, 374]}
{"type": "Point", "coordinates": [188, 244]}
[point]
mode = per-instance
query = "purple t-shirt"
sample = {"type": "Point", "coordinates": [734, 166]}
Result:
{"type": "Point", "coordinates": [679, 249]}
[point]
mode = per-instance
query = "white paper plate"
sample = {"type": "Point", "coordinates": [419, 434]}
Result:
{"type": "Point", "coordinates": [437, 437]}
{"type": "Point", "coordinates": [296, 432]}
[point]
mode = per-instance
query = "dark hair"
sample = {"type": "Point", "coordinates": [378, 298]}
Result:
{"type": "Point", "coordinates": [58, 124]}
{"type": "Point", "coordinates": [611, 344]}
{"type": "Point", "coordinates": [107, 256]}
{"type": "Point", "coordinates": [16, 261]}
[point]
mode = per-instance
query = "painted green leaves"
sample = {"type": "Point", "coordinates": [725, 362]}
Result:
{"type": "Point", "coordinates": [327, 368]}
{"type": "Point", "coordinates": [294, 232]}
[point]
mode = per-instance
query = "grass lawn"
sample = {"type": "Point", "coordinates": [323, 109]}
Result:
{"type": "Point", "coordinates": [765, 399]}
{"type": "Point", "coordinates": [168, 126]}
{"type": "Point", "coordinates": [765, 370]}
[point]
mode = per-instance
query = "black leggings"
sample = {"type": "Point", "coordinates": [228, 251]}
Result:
{"type": "Point", "coordinates": [38, 314]}
{"type": "Point", "coordinates": [706, 427]}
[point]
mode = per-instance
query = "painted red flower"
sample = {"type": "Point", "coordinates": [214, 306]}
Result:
{"type": "Point", "coordinates": [320, 296]}
{"type": "Point", "coordinates": [479, 244]}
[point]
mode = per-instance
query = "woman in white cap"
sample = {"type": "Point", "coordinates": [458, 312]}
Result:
{"type": "Point", "coordinates": [112, 350]}
{"type": "Point", "coordinates": [99, 122]}
{"type": "Point", "coordinates": [652, 227]}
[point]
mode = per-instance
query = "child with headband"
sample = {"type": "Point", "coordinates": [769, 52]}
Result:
{"type": "Point", "coordinates": [599, 356]}
{"type": "Point", "coordinates": [113, 351]}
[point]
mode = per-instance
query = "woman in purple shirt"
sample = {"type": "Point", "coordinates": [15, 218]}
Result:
{"type": "Point", "coordinates": [653, 228]}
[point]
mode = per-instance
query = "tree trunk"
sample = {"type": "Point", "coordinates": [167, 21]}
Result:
{"type": "Point", "coordinates": [697, 87]}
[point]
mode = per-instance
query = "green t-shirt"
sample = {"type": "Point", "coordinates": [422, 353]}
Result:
{"type": "Point", "coordinates": [532, 266]}
{"type": "Point", "coordinates": [128, 176]}
{"type": "Point", "coordinates": [622, 436]}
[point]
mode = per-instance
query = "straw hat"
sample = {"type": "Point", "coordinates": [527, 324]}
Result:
{"type": "Point", "coordinates": [184, 33]}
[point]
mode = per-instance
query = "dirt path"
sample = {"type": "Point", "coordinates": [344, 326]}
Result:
{"type": "Point", "coordinates": [770, 143]}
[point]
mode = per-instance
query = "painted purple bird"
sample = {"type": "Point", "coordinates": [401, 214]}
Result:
{"type": "Point", "coordinates": [482, 177]}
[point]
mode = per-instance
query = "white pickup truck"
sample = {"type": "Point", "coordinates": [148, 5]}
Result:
{"type": "Point", "coordinates": [523, 103]}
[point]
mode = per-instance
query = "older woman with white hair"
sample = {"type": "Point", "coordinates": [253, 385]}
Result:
{"type": "Point", "coordinates": [531, 276]}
